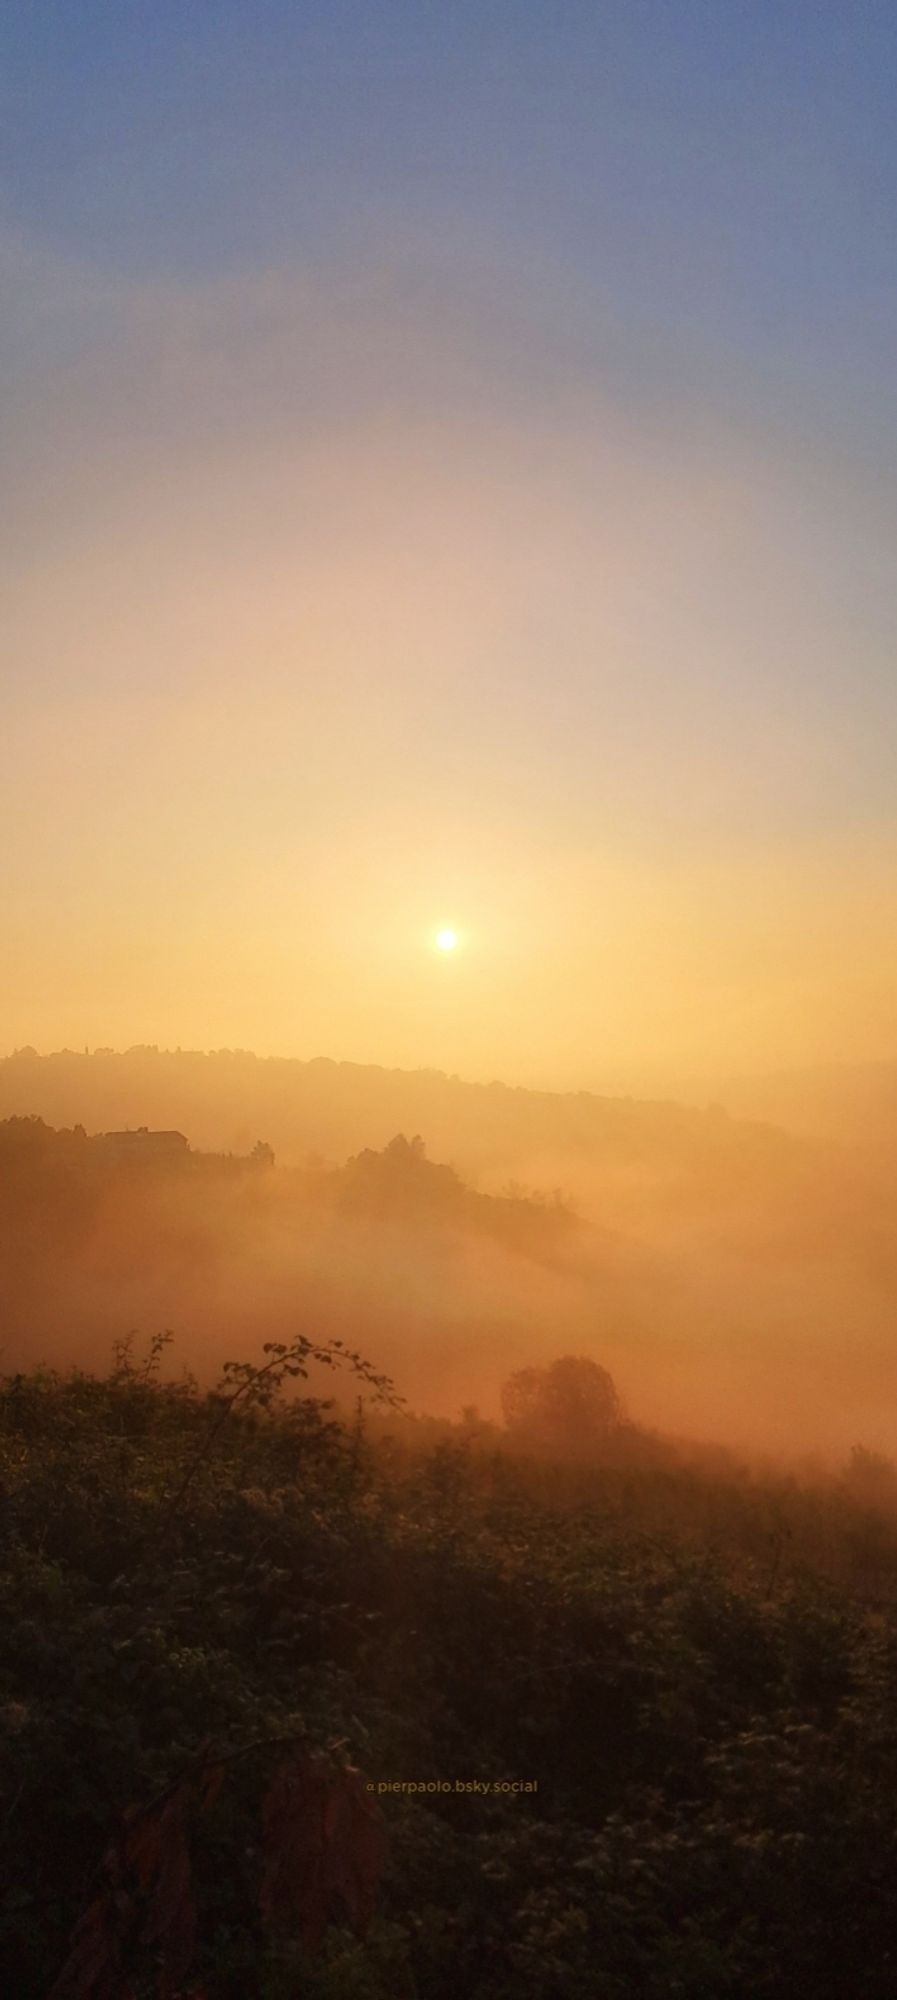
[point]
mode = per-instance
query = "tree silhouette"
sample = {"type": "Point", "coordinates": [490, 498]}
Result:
{"type": "Point", "coordinates": [571, 1407]}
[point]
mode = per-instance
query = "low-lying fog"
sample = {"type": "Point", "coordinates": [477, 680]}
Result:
{"type": "Point", "coordinates": [739, 1283]}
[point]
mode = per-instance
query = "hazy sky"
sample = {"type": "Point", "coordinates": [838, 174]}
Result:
{"type": "Point", "coordinates": [448, 477]}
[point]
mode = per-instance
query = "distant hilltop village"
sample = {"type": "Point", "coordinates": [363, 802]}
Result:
{"type": "Point", "coordinates": [144, 1144]}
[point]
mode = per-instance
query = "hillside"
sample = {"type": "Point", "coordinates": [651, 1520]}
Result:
{"type": "Point", "coordinates": [740, 1284]}
{"type": "Point", "coordinates": [853, 1103]}
{"type": "Point", "coordinates": [228, 1099]}
{"type": "Point", "coordinates": [356, 1717]}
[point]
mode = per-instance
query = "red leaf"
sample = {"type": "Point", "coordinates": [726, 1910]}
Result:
{"type": "Point", "coordinates": [93, 1969]}
{"type": "Point", "coordinates": [325, 1849]}
{"type": "Point", "coordinates": [171, 1918]}
{"type": "Point", "coordinates": [211, 1779]}
{"type": "Point", "coordinates": [148, 1898]}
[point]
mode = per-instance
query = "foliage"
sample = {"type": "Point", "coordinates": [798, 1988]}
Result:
{"type": "Point", "coordinates": [322, 1849]}
{"type": "Point", "coordinates": [570, 1407]}
{"type": "Point", "coordinates": [697, 1669]}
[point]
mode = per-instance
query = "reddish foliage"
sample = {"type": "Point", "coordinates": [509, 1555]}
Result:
{"type": "Point", "coordinates": [147, 1899]}
{"type": "Point", "coordinates": [93, 1968]}
{"type": "Point", "coordinates": [171, 1918]}
{"type": "Point", "coordinates": [325, 1849]}
{"type": "Point", "coordinates": [208, 1786]}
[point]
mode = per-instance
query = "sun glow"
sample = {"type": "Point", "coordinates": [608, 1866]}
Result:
{"type": "Point", "coordinates": [446, 940]}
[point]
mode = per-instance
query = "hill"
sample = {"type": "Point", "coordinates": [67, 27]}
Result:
{"type": "Point", "coordinates": [227, 1099]}
{"type": "Point", "coordinates": [739, 1282]}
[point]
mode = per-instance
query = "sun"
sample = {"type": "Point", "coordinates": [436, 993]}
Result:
{"type": "Point", "coordinates": [446, 940]}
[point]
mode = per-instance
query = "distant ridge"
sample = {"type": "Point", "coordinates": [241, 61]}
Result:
{"type": "Point", "coordinates": [228, 1099]}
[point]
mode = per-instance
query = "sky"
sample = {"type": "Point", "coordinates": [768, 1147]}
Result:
{"type": "Point", "coordinates": [448, 479]}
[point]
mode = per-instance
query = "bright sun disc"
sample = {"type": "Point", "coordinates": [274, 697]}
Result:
{"type": "Point", "coordinates": [446, 940]}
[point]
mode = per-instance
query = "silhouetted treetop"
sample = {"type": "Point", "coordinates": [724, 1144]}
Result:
{"type": "Point", "coordinates": [570, 1407]}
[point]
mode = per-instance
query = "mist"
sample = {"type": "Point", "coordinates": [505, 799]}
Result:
{"type": "Point", "coordinates": [736, 1279]}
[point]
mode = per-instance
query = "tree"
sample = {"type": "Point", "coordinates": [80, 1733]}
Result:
{"type": "Point", "coordinates": [401, 1180]}
{"type": "Point", "coordinates": [572, 1407]}
{"type": "Point", "coordinates": [870, 1475]}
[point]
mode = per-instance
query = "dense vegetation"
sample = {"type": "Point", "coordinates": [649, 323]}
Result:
{"type": "Point", "coordinates": [696, 1669]}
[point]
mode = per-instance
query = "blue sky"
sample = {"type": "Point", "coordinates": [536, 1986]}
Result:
{"type": "Point", "coordinates": [730, 163]}
{"type": "Point", "coordinates": [708, 187]}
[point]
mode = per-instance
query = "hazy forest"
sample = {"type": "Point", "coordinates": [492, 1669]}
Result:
{"type": "Point", "coordinates": [435, 1564]}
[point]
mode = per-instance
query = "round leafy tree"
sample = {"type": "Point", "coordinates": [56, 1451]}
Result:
{"type": "Point", "coordinates": [572, 1407]}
